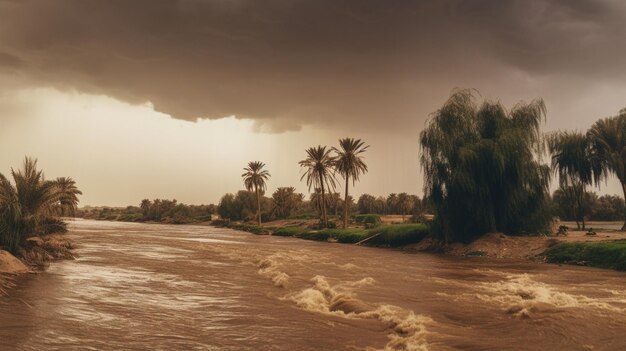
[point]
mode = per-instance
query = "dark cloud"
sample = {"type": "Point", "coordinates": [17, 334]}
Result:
{"type": "Point", "coordinates": [286, 63]}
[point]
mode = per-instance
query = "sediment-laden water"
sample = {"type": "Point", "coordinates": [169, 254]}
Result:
{"type": "Point", "coordinates": [159, 287]}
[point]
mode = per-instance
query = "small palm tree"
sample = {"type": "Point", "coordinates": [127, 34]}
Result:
{"type": "Point", "coordinates": [350, 165]}
{"type": "Point", "coordinates": [254, 179]}
{"type": "Point", "coordinates": [572, 161]}
{"type": "Point", "coordinates": [319, 173]}
{"type": "Point", "coordinates": [25, 205]}
{"type": "Point", "coordinates": [608, 149]}
{"type": "Point", "coordinates": [68, 193]}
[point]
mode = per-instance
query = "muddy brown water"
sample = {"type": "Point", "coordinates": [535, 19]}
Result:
{"type": "Point", "coordinates": [160, 287]}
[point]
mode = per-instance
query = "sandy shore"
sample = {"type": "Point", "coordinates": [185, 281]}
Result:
{"type": "Point", "coordinates": [35, 257]}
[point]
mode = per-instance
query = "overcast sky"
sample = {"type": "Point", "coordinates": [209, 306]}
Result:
{"type": "Point", "coordinates": [152, 98]}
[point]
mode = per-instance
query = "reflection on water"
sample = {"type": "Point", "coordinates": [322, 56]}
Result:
{"type": "Point", "coordinates": [158, 287]}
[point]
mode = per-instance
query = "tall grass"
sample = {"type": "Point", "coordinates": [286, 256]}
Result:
{"type": "Point", "coordinates": [398, 234]}
{"type": "Point", "coordinates": [609, 254]}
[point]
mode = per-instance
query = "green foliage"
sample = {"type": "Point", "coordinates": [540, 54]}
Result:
{"type": "Point", "coordinates": [481, 168]}
{"type": "Point", "coordinates": [289, 231]}
{"type": "Point", "coordinates": [158, 210]}
{"type": "Point", "coordinates": [254, 229]}
{"type": "Point", "coordinates": [28, 205]}
{"type": "Point", "coordinates": [608, 149]}
{"type": "Point", "coordinates": [349, 235]}
{"type": "Point", "coordinates": [50, 225]}
{"type": "Point", "coordinates": [286, 202]}
{"type": "Point", "coordinates": [608, 208]}
{"type": "Point", "coordinates": [314, 235]}
{"type": "Point", "coordinates": [349, 163]}
{"type": "Point", "coordinates": [398, 234]}
{"type": "Point", "coordinates": [319, 173]}
{"type": "Point", "coordinates": [610, 254]}
{"type": "Point", "coordinates": [367, 219]}
{"type": "Point", "coordinates": [255, 178]}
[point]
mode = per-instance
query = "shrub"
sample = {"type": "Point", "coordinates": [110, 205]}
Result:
{"type": "Point", "coordinates": [398, 234]}
{"type": "Point", "coordinates": [289, 231]}
{"type": "Point", "coordinates": [254, 229]}
{"type": "Point", "coordinates": [349, 236]}
{"type": "Point", "coordinates": [51, 225]}
{"type": "Point", "coordinates": [314, 235]}
{"type": "Point", "coordinates": [367, 219]}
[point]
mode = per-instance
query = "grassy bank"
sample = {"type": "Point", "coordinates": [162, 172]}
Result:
{"type": "Point", "coordinates": [383, 235]}
{"type": "Point", "coordinates": [610, 254]}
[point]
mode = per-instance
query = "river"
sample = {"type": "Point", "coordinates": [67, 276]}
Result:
{"type": "Point", "coordinates": [177, 287]}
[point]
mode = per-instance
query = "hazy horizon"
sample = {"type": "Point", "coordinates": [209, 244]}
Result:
{"type": "Point", "coordinates": [171, 99]}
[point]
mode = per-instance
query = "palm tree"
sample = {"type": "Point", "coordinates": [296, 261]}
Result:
{"type": "Point", "coordinates": [254, 179]}
{"type": "Point", "coordinates": [145, 207]}
{"type": "Point", "coordinates": [350, 165]}
{"type": "Point", "coordinates": [23, 206]}
{"type": "Point", "coordinates": [572, 161]}
{"type": "Point", "coordinates": [319, 173]}
{"type": "Point", "coordinates": [68, 193]}
{"type": "Point", "coordinates": [286, 201]}
{"type": "Point", "coordinates": [608, 149]}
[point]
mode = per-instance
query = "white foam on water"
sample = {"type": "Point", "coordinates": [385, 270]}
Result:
{"type": "Point", "coordinates": [407, 331]}
{"type": "Point", "coordinates": [522, 296]}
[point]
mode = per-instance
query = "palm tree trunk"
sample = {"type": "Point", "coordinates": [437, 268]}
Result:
{"type": "Point", "coordinates": [324, 219]}
{"type": "Point", "coordinates": [624, 190]}
{"type": "Point", "coordinates": [345, 206]}
{"type": "Point", "coordinates": [258, 204]}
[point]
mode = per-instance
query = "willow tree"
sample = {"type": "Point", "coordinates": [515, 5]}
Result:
{"type": "Point", "coordinates": [350, 165]}
{"type": "Point", "coordinates": [254, 178]}
{"type": "Point", "coordinates": [482, 169]}
{"type": "Point", "coordinates": [608, 148]}
{"type": "Point", "coordinates": [319, 173]}
{"type": "Point", "coordinates": [573, 162]}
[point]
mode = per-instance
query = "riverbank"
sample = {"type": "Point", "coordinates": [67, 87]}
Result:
{"type": "Point", "coordinates": [416, 238]}
{"type": "Point", "coordinates": [34, 257]}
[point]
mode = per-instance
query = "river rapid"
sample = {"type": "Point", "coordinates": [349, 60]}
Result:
{"type": "Point", "coordinates": [165, 287]}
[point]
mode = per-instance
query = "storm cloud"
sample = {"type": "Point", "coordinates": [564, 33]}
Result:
{"type": "Point", "coordinates": [284, 64]}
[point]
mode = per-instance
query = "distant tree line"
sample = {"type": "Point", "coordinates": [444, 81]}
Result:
{"type": "Point", "coordinates": [591, 208]}
{"type": "Point", "coordinates": [157, 210]}
{"type": "Point", "coordinates": [286, 203]}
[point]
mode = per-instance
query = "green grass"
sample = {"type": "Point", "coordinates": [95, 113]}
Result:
{"type": "Point", "coordinates": [398, 234]}
{"type": "Point", "coordinates": [367, 219]}
{"type": "Point", "coordinates": [610, 254]}
{"type": "Point", "coordinates": [250, 228]}
{"type": "Point", "coordinates": [289, 231]}
{"type": "Point", "coordinates": [388, 235]}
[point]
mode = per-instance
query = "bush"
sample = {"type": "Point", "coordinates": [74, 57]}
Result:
{"type": "Point", "coordinates": [349, 236]}
{"type": "Point", "coordinates": [610, 254]}
{"type": "Point", "coordinates": [367, 219]}
{"type": "Point", "coordinates": [254, 229]}
{"type": "Point", "coordinates": [130, 217]}
{"type": "Point", "coordinates": [314, 235]}
{"type": "Point", "coordinates": [50, 225]}
{"type": "Point", "coordinates": [289, 231]}
{"type": "Point", "coordinates": [398, 234]}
